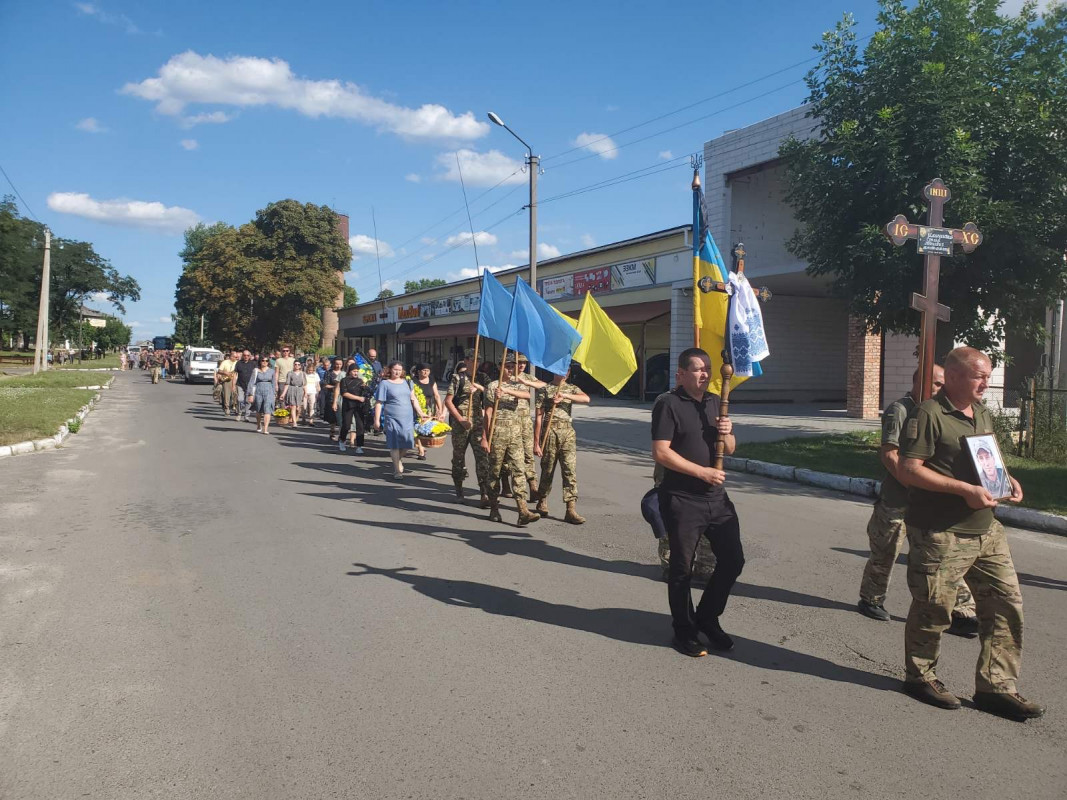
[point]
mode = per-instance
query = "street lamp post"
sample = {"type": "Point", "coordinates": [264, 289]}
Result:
{"type": "Point", "coordinates": [533, 162]}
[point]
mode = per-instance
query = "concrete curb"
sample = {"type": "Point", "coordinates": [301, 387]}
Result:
{"type": "Point", "coordinates": [864, 487]}
{"type": "Point", "coordinates": [52, 442]}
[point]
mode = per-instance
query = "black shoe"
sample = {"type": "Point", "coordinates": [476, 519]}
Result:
{"type": "Point", "coordinates": [720, 639]}
{"type": "Point", "coordinates": [964, 626]}
{"type": "Point", "coordinates": [689, 646]}
{"type": "Point", "coordinates": [873, 611]}
{"type": "Point", "coordinates": [932, 693]}
{"type": "Point", "coordinates": [1010, 706]}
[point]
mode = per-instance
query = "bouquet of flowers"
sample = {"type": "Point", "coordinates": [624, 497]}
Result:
{"type": "Point", "coordinates": [432, 428]}
{"type": "Point", "coordinates": [281, 412]}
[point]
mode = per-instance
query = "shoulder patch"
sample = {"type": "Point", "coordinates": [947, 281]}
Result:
{"type": "Point", "coordinates": [911, 430]}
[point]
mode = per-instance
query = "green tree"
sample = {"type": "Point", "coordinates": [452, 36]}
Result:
{"type": "Point", "coordinates": [423, 283]}
{"type": "Point", "coordinates": [77, 271]}
{"type": "Point", "coordinates": [384, 294]}
{"type": "Point", "coordinates": [950, 89]}
{"type": "Point", "coordinates": [263, 283]}
{"type": "Point", "coordinates": [351, 296]}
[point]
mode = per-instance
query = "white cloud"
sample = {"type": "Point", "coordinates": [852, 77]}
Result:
{"type": "Point", "coordinates": [363, 245]}
{"type": "Point", "coordinates": [481, 169]}
{"type": "Point", "coordinates": [166, 319]}
{"type": "Point", "coordinates": [588, 240]}
{"type": "Point", "coordinates": [544, 250]}
{"type": "Point", "coordinates": [412, 177]}
{"type": "Point", "coordinates": [245, 81]}
{"type": "Point", "coordinates": [471, 272]}
{"type": "Point", "coordinates": [91, 125]}
{"type": "Point", "coordinates": [189, 144]}
{"type": "Point", "coordinates": [482, 238]}
{"type": "Point", "coordinates": [597, 143]}
{"type": "Point", "coordinates": [428, 240]}
{"type": "Point", "coordinates": [207, 118]}
{"type": "Point", "coordinates": [106, 17]}
{"type": "Point", "coordinates": [666, 155]}
{"type": "Point", "coordinates": [134, 213]}
{"type": "Point", "coordinates": [136, 324]}
{"type": "Point", "coordinates": [1013, 7]}
{"type": "Point", "coordinates": [99, 297]}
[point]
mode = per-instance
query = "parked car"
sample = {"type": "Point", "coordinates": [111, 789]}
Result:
{"type": "Point", "coordinates": [201, 364]}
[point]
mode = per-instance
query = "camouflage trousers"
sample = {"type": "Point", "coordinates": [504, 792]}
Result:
{"type": "Point", "coordinates": [461, 440]}
{"type": "Point", "coordinates": [506, 453]}
{"type": "Point", "coordinates": [527, 448]}
{"type": "Point", "coordinates": [936, 563]}
{"type": "Point", "coordinates": [886, 533]}
{"type": "Point", "coordinates": [561, 449]}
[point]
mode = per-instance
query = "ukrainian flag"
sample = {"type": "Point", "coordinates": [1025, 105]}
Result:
{"type": "Point", "coordinates": [710, 309]}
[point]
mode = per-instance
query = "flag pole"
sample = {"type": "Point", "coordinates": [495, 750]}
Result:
{"type": "Point", "coordinates": [474, 377]}
{"type": "Point", "coordinates": [496, 403]}
{"type": "Point", "coordinates": [551, 411]}
{"type": "Point", "coordinates": [727, 370]}
{"type": "Point", "coordinates": [696, 255]}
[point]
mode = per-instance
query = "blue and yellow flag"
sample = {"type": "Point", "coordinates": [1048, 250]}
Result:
{"type": "Point", "coordinates": [539, 331]}
{"type": "Point", "coordinates": [494, 308]}
{"type": "Point", "coordinates": [605, 352]}
{"type": "Point", "coordinates": [711, 309]}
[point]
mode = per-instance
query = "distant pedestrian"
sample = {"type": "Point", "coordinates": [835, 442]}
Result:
{"type": "Point", "coordinates": [330, 397]}
{"type": "Point", "coordinates": [264, 385]}
{"type": "Point", "coordinates": [311, 393]}
{"type": "Point", "coordinates": [375, 364]}
{"type": "Point", "coordinates": [225, 377]}
{"type": "Point", "coordinates": [424, 385]}
{"type": "Point", "coordinates": [244, 369]}
{"type": "Point", "coordinates": [352, 397]}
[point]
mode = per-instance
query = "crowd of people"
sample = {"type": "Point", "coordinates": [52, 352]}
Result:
{"type": "Point", "coordinates": [510, 419]}
{"type": "Point", "coordinates": [160, 364]}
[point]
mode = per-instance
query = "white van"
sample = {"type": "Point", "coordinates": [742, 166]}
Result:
{"type": "Point", "coordinates": [201, 364]}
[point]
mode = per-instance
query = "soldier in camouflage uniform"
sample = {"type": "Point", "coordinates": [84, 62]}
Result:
{"type": "Point", "coordinates": [526, 424]}
{"type": "Point", "coordinates": [953, 534]}
{"type": "Point", "coordinates": [502, 422]}
{"type": "Point", "coordinates": [554, 416]}
{"type": "Point", "coordinates": [886, 530]}
{"type": "Point", "coordinates": [467, 431]}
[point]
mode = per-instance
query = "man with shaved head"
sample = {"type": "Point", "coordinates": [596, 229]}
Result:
{"type": "Point", "coordinates": [952, 535]}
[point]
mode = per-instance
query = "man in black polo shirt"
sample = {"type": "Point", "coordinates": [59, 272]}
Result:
{"type": "Point", "coordinates": [245, 367]}
{"type": "Point", "coordinates": [685, 427]}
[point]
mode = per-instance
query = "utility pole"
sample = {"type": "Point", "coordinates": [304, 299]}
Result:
{"type": "Point", "coordinates": [201, 330]}
{"type": "Point", "coordinates": [40, 349]}
{"type": "Point", "coordinates": [535, 163]}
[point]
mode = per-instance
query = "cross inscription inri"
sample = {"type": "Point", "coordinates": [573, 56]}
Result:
{"type": "Point", "coordinates": [933, 242]}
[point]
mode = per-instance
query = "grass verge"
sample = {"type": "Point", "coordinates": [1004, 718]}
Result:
{"type": "Point", "coordinates": [111, 360]}
{"type": "Point", "coordinates": [55, 379]}
{"type": "Point", "coordinates": [856, 454]}
{"type": "Point", "coordinates": [29, 413]}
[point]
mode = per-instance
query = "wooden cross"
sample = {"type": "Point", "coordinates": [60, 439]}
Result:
{"type": "Point", "coordinates": [933, 242]}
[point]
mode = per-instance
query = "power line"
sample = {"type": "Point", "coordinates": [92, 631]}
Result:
{"type": "Point", "coordinates": [20, 197]}
{"type": "Point", "coordinates": [625, 178]}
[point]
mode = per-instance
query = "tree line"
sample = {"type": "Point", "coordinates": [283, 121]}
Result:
{"type": "Point", "coordinates": [77, 273]}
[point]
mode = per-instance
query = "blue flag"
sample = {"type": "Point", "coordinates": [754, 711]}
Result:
{"type": "Point", "coordinates": [494, 309]}
{"type": "Point", "coordinates": [539, 331]}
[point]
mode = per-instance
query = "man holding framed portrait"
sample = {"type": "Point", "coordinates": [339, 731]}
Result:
{"type": "Point", "coordinates": [989, 465]}
{"type": "Point", "coordinates": [952, 535]}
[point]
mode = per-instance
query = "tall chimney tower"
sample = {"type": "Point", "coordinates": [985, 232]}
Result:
{"type": "Point", "coordinates": [329, 316]}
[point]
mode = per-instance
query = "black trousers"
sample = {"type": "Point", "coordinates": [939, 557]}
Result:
{"type": "Point", "coordinates": [687, 518]}
{"type": "Point", "coordinates": [350, 411]}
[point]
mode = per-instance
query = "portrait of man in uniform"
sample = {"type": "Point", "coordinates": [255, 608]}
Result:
{"type": "Point", "coordinates": [989, 465]}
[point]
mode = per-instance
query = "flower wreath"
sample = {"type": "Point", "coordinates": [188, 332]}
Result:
{"type": "Point", "coordinates": [432, 427]}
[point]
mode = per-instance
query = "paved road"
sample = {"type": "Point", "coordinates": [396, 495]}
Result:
{"type": "Point", "coordinates": [191, 610]}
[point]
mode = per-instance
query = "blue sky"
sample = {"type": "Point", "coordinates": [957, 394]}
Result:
{"type": "Point", "coordinates": [126, 122]}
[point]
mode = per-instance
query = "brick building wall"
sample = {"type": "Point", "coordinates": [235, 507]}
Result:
{"type": "Point", "coordinates": [864, 371]}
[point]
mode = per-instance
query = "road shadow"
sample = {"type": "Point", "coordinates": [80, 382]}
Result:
{"type": "Point", "coordinates": [774, 657]}
{"type": "Point", "coordinates": [517, 542]}
{"type": "Point", "coordinates": [1025, 578]}
{"type": "Point", "coordinates": [788, 596]}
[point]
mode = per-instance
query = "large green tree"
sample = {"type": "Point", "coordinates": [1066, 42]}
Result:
{"type": "Point", "coordinates": [77, 272]}
{"type": "Point", "coordinates": [950, 89]}
{"type": "Point", "coordinates": [263, 284]}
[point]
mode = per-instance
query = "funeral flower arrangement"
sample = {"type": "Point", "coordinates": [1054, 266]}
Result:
{"type": "Point", "coordinates": [431, 427]}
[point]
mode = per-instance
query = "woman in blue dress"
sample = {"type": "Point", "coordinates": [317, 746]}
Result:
{"type": "Point", "coordinates": [396, 412]}
{"type": "Point", "coordinates": [264, 386]}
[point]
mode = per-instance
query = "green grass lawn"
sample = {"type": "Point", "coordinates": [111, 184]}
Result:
{"type": "Point", "coordinates": [111, 360]}
{"type": "Point", "coordinates": [856, 454]}
{"type": "Point", "coordinates": [55, 379]}
{"type": "Point", "coordinates": [34, 413]}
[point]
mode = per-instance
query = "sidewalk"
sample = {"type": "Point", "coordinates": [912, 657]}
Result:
{"type": "Point", "coordinates": [628, 424]}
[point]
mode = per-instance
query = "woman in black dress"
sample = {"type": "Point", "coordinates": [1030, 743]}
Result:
{"type": "Point", "coordinates": [331, 386]}
{"type": "Point", "coordinates": [434, 407]}
{"type": "Point", "coordinates": [353, 395]}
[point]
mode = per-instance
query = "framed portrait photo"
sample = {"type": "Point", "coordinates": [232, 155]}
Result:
{"type": "Point", "coordinates": [989, 465]}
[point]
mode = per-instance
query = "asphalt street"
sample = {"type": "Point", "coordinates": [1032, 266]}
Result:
{"type": "Point", "coordinates": [192, 610]}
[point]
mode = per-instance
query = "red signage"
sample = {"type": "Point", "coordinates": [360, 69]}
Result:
{"type": "Point", "coordinates": [593, 280]}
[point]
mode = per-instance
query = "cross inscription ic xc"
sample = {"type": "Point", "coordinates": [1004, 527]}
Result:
{"type": "Point", "coordinates": [933, 242]}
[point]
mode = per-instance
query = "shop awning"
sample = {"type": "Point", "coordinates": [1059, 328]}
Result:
{"type": "Point", "coordinates": [639, 312]}
{"type": "Point", "coordinates": [370, 330]}
{"type": "Point", "coordinates": [458, 329]}
{"type": "Point", "coordinates": [408, 328]}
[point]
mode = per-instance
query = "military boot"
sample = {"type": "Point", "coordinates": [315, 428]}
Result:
{"type": "Point", "coordinates": [572, 516]}
{"type": "Point", "coordinates": [526, 516]}
{"type": "Point", "coordinates": [483, 502]}
{"type": "Point", "coordinates": [459, 490]}
{"type": "Point", "coordinates": [494, 513]}
{"type": "Point", "coordinates": [542, 507]}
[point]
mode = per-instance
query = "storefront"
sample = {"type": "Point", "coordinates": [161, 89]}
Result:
{"type": "Point", "coordinates": [632, 280]}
